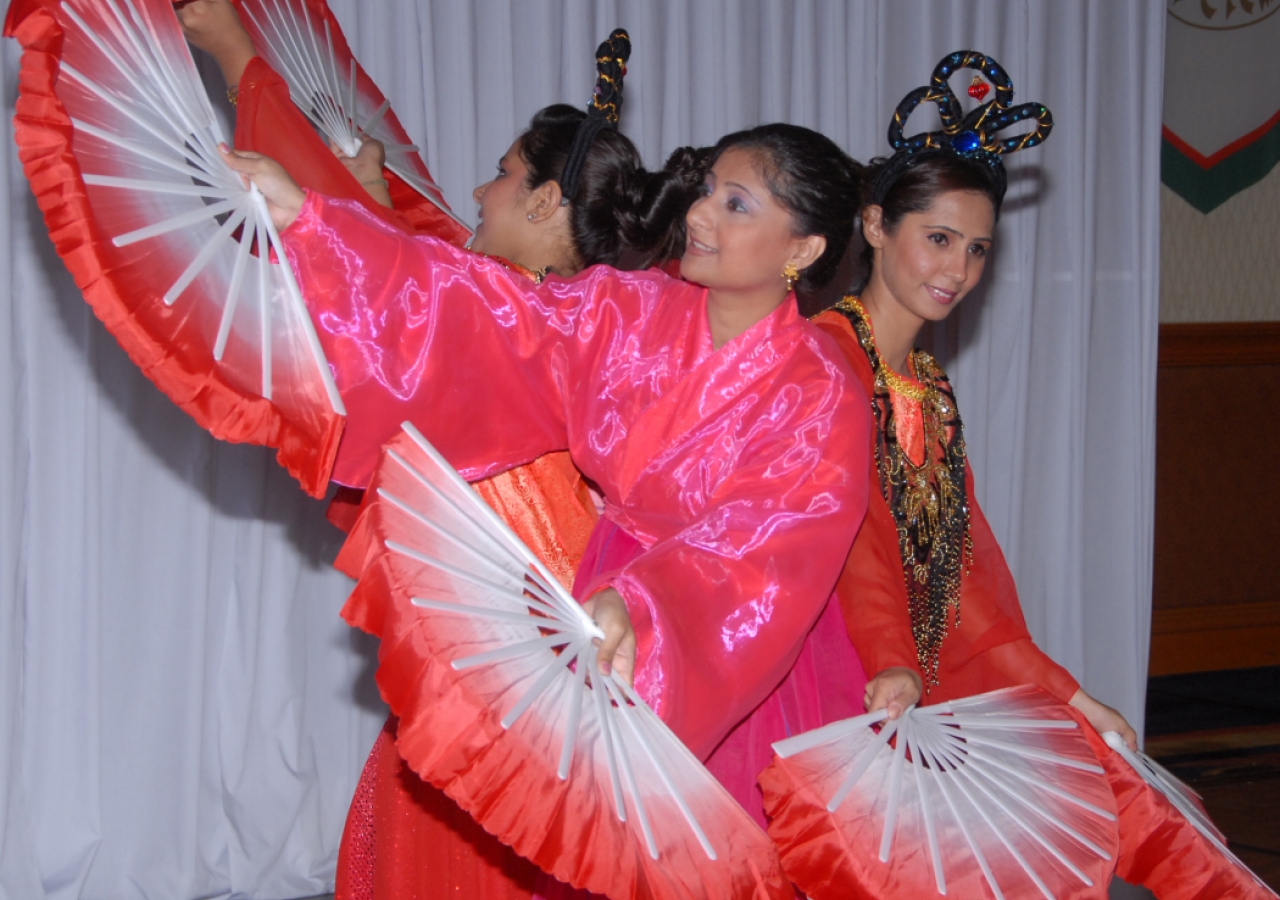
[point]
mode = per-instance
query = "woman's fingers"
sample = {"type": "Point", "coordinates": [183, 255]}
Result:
{"type": "Point", "coordinates": [617, 651]}
{"type": "Point", "coordinates": [284, 197]}
{"type": "Point", "coordinates": [893, 690]}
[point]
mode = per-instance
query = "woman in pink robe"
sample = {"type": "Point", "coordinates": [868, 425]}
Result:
{"type": "Point", "coordinates": [702, 409]}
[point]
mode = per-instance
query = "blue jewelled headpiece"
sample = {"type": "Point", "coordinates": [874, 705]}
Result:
{"type": "Point", "coordinates": [974, 136]}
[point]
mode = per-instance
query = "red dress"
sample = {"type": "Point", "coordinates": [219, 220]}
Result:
{"type": "Point", "coordinates": [403, 837]}
{"type": "Point", "coordinates": [990, 648]}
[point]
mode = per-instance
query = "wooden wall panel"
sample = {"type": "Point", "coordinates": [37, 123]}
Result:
{"type": "Point", "coordinates": [1216, 588]}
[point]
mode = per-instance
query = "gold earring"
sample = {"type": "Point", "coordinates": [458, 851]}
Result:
{"type": "Point", "coordinates": [790, 274]}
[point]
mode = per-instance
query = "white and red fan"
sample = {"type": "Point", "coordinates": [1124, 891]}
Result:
{"type": "Point", "coordinates": [301, 40]}
{"type": "Point", "coordinates": [1183, 798]}
{"type": "Point", "coordinates": [177, 257]}
{"type": "Point", "coordinates": [998, 795]}
{"type": "Point", "coordinates": [489, 664]}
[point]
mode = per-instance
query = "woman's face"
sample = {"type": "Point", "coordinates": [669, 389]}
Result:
{"type": "Point", "coordinates": [934, 258]}
{"type": "Point", "coordinates": [503, 215]}
{"type": "Point", "coordinates": [739, 236]}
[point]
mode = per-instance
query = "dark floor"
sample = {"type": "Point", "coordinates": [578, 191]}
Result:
{"type": "Point", "coordinates": [1220, 733]}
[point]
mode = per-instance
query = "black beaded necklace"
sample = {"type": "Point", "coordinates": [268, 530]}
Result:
{"type": "Point", "coordinates": [928, 502]}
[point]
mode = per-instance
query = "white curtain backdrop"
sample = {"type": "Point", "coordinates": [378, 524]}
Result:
{"type": "Point", "coordinates": [183, 715]}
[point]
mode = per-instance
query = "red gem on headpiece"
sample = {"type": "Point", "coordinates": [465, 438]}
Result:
{"type": "Point", "coordinates": [979, 88]}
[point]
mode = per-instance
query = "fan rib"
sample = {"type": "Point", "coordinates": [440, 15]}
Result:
{"type": "Point", "coordinates": [373, 120]}
{"type": "Point", "coordinates": [961, 778]}
{"type": "Point", "coordinates": [970, 721]}
{"type": "Point", "coordinates": [287, 57]}
{"type": "Point", "coordinates": [992, 781]}
{"type": "Point", "coordinates": [930, 829]}
{"type": "Point", "coordinates": [124, 68]}
{"type": "Point", "coordinates": [602, 713]}
{"type": "Point", "coordinates": [303, 315]}
{"type": "Point", "coordinates": [512, 593]}
{"type": "Point", "coordinates": [146, 52]}
{"type": "Point", "coordinates": [555, 669]}
{"type": "Point", "coordinates": [495, 524]}
{"type": "Point", "coordinates": [159, 187]}
{"type": "Point", "coordinates": [265, 295]}
{"type": "Point", "coordinates": [304, 77]}
{"type": "Point", "coordinates": [126, 108]}
{"type": "Point", "coordinates": [977, 753]}
{"type": "Point", "coordinates": [574, 703]}
{"type": "Point", "coordinates": [971, 777]}
{"type": "Point", "coordinates": [624, 757]}
{"type": "Point", "coordinates": [174, 223]}
{"type": "Point", "coordinates": [511, 651]}
{"type": "Point", "coordinates": [863, 762]}
{"type": "Point", "coordinates": [232, 301]}
{"type": "Point", "coordinates": [483, 612]}
{"type": "Point", "coordinates": [201, 259]}
{"type": "Point", "coordinates": [936, 767]}
{"type": "Point", "coordinates": [346, 118]}
{"type": "Point", "coordinates": [827, 734]}
{"type": "Point", "coordinates": [895, 787]}
{"type": "Point", "coordinates": [637, 721]}
{"type": "Point", "coordinates": [544, 602]}
{"type": "Point", "coordinates": [147, 154]}
{"type": "Point", "coordinates": [1028, 752]}
{"type": "Point", "coordinates": [984, 782]}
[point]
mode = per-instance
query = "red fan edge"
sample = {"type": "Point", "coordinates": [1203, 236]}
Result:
{"type": "Point", "coordinates": [43, 132]}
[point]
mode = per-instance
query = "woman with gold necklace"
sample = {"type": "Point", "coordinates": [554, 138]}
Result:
{"type": "Point", "coordinates": [928, 598]}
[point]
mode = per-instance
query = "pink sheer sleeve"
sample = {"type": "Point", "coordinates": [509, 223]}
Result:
{"type": "Point", "coordinates": [722, 607]}
{"type": "Point", "coordinates": [417, 329]}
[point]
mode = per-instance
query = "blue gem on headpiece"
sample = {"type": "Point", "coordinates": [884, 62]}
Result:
{"type": "Point", "coordinates": [966, 142]}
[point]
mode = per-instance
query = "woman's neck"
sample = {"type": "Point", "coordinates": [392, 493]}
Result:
{"type": "Point", "coordinates": [729, 314]}
{"type": "Point", "coordinates": [894, 326]}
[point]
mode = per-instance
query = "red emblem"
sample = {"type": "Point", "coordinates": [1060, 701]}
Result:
{"type": "Point", "coordinates": [979, 88]}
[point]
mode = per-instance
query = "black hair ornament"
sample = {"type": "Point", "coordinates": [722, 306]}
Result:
{"type": "Point", "coordinates": [973, 136]}
{"type": "Point", "coordinates": [602, 111]}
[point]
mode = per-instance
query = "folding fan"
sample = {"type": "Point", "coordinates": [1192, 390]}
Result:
{"type": "Point", "coordinates": [177, 257]}
{"type": "Point", "coordinates": [1183, 799]}
{"type": "Point", "coordinates": [998, 795]}
{"type": "Point", "coordinates": [490, 665]}
{"type": "Point", "coordinates": [302, 41]}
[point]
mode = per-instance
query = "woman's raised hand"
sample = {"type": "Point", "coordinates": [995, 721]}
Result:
{"type": "Point", "coordinates": [618, 649]}
{"type": "Point", "coordinates": [894, 689]}
{"type": "Point", "coordinates": [284, 197]}
{"type": "Point", "coordinates": [214, 26]}
{"type": "Point", "coordinates": [366, 167]}
{"type": "Point", "coordinates": [1103, 718]}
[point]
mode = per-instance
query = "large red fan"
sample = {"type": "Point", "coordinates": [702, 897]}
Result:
{"type": "Point", "coordinates": [175, 255]}
{"type": "Point", "coordinates": [490, 666]}
{"type": "Point", "coordinates": [998, 795]}
{"type": "Point", "coordinates": [302, 41]}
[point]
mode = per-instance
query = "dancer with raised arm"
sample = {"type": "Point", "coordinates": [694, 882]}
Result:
{"type": "Point", "coordinates": [928, 598]}
{"type": "Point", "coordinates": [703, 409]}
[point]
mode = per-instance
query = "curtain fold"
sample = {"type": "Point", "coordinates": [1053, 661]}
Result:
{"type": "Point", "coordinates": [182, 714]}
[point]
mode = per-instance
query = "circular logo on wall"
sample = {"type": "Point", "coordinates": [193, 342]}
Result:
{"type": "Point", "coordinates": [1222, 15]}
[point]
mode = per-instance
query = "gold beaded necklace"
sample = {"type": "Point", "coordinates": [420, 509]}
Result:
{"type": "Point", "coordinates": [928, 501]}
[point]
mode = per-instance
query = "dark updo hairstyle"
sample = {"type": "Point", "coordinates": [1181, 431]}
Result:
{"type": "Point", "coordinates": [621, 215]}
{"type": "Point", "coordinates": [813, 179]}
{"type": "Point", "coordinates": [930, 175]}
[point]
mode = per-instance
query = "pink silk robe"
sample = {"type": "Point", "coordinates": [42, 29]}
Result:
{"type": "Point", "coordinates": [723, 464]}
